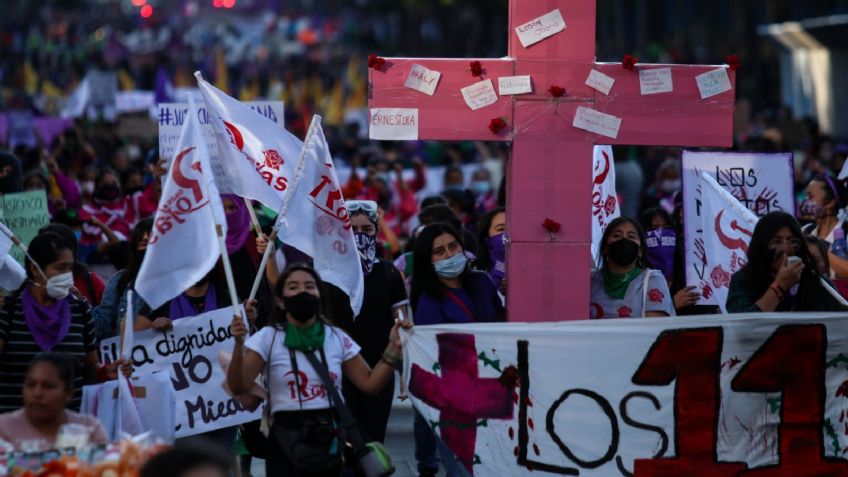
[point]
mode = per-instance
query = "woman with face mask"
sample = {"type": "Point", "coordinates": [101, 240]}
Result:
{"type": "Point", "coordinates": [110, 207]}
{"type": "Point", "coordinates": [42, 316]}
{"type": "Point", "coordinates": [302, 411]}
{"type": "Point", "coordinates": [623, 286]}
{"type": "Point", "coordinates": [107, 316]}
{"type": "Point", "coordinates": [492, 255]}
{"type": "Point", "coordinates": [780, 274]}
{"type": "Point", "coordinates": [665, 253]}
{"type": "Point", "coordinates": [825, 197]}
{"type": "Point", "coordinates": [47, 391]}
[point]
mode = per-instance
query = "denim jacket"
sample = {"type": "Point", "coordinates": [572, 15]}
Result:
{"type": "Point", "coordinates": [107, 316]}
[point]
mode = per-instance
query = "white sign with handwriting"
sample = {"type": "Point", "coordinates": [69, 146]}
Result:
{"type": "Point", "coordinates": [390, 124]}
{"type": "Point", "coordinates": [713, 83]}
{"type": "Point", "coordinates": [597, 122]}
{"type": "Point", "coordinates": [600, 82]}
{"type": "Point", "coordinates": [423, 79]}
{"type": "Point", "coordinates": [479, 95]}
{"type": "Point", "coordinates": [540, 28]}
{"type": "Point", "coordinates": [514, 85]}
{"type": "Point", "coordinates": [657, 80]}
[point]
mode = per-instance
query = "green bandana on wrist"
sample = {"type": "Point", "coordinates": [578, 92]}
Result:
{"type": "Point", "coordinates": [308, 338]}
{"type": "Point", "coordinates": [615, 284]}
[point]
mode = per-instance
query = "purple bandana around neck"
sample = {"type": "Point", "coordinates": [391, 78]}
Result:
{"type": "Point", "coordinates": [181, 306]}
{"type": "Point", "coordinates": [238, 224]}
{"type": "Point", "coordinates": [497, 252]}
{"type": "Point", "coordinates": [48, 324]}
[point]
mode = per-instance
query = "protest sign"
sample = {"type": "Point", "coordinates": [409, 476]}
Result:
{"type": "Point", "coordinates": [746, 395]}
{"type": "Point", "coordinates": [761, 182]}
{"type": "Point", "coordinates": [24, 213]}
{"type": "Point", "coordinates": [189, 353]}
{"type": "Point", "coordinates": [103, 91]}
{"type": "Point", "coordinates": [173, 115]}
{"type": "Point", "coordinates": [605, 205]}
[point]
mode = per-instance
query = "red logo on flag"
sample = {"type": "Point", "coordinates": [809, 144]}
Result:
{"type": "Point", "coordinates": [609, 206]}
{"type": "Point", "coordinates": [656, 296]}
{"type": "Point", "coordinates": [273, 159]}
{"type": "Point", "coordinates": [720, 278]}
{"type": "Point", "coordinates": [624, 311]}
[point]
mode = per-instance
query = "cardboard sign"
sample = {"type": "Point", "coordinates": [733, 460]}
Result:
{"type": "Point", "coordinates": [423, 79]}
{"type": "Point", "coordinates": [510, 85]}
{"type": "Point", "coordinates": [173, 115]}
{"type": "Point", "coordinates": [189, 353]}
{"type": "Point", "coordinates": [713, 83]}
{"type": "Point", "coordinates": [645, 397]}
{"type": "Point", "coordinates": [597, 122]}
{"type": "Point", "coordinates": [600, 82]}
{"type": "Point", "coordinates": [654, 81]}
{"type": "Point", "coordinates": [761, 182]}
{"type": "Point", "coordinates": [540, 28]}
{"type": "Point", "coordinates": [24, 213]}
{"type": "Point", "coordinates": [479, 95]}
{"type": "Point", "coordinates": [389, 124]}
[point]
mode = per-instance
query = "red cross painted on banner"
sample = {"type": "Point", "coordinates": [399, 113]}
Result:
{"type": "Point", "coordinates": [460, 394]}
{"type": "Point", "coordinates": [550, 169]}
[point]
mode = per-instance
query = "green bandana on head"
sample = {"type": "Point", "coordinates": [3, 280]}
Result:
{"type": "Point", "coordinates": [615, 284]}
{"type": "Point", "coordinates": [307, 338]}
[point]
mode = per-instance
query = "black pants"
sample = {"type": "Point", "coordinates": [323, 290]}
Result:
{"type": "Point", "coordinates": [371, 412]}
{"type": "Point", "coordinates": [278, 464]}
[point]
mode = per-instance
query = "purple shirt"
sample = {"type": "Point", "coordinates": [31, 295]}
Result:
{"type": "Point", "coordinates": [485, 305]}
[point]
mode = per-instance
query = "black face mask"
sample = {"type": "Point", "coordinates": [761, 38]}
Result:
{"type": "Point", "coordinates": [108, 193]}
{"type": "Point", "coordinates": [302, 307]}
{"type": "Point", "coordinates": [623, 252]}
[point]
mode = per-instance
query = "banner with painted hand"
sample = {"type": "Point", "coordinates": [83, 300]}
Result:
{"type": "Point", "coordinates": [727, 229]}
{"type": "Point", "coordinates": [316, 221]}
{"type": "Point", "coordinates": [258, 156]}
{"type": "Point", "coordinates": [190, 353]}
{"type": "Point", "coordinates": [745, 395]}
{"type": "Point", "coordinates": [605, 205]}
{"type": "Point", "coordinates": [182, 247]}
{"type": "Point", "coordinates": [762, 183]}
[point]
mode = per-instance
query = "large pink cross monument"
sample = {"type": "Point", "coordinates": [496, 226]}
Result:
{"type": "Point", "coordinates": [550, 168]}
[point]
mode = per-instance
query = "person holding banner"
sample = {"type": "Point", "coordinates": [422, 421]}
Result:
{"type": "Point", "coordinates": [303, 415]}
{"type": "Point", "coordinates": [42, 316]}
{"type": "Point", "coordinates": [112, 309]}
{"type": "Point", "coordinates": [780, 274]}
{"type": "Point", "coordinates": [48, 388]}
{"type": "Point", "coordinates": [825, 197]}
{"type": "Point", "coordinates": [623, 286]}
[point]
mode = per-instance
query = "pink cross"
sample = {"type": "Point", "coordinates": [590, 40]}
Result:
{"type": "Point", "coordinates": [460, 394]}
{"type": "Point", "coordinates": [550, 169]}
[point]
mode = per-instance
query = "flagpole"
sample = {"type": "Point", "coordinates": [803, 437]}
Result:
{"type": "Point", "coordinates": [316, 121]}
{"type": "Point", "coordinates": [18, 243]}
{"type": "Point", "coordinates": [253, 219]}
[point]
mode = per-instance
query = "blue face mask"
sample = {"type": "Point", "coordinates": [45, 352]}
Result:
{"type": "Point", "coordinates": [78, 235]}
{"type": "Point", "coordinates": [451, 267]}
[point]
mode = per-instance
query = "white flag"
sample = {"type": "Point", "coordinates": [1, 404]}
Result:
{"type": "Point", "coordinates": [316, 221]}
{"type": "Point", "coordinates": [728, 226]}
{"type": "Point", "coordinates": [183, 244]}
{"type": "Point", "coordinates": [259, 159]}
{"type": "Point", "coordinates": [605, 206]}
{"type": "Point", "coordinates": [12, 274]}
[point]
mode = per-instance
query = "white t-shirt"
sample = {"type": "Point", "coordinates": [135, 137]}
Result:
{"type": "Point", "coordinates": [636, 303]}
{"type": "Point", "coordinates": [338, 348]}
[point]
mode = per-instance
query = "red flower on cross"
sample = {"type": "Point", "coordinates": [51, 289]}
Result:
{"type": "Point", "coordinates": [497, 125]}
{"type": "Point", "coordinates": [476, 68]}
{"type": "Point", "coordinates": [551, 226]}
{"type": "Point", "coordinates": [734, 62]}
{"type": "Point", "coordinates": [629, 62]}
{"type": "Point", "coordinates": [556, 91]}
{"type": "Point", "coordinates": [376, 62]}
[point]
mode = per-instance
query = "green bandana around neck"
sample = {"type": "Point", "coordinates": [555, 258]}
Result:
{"type": "Point", "coordinates": [615, 284]}
{"type": "Point", "coordinates": [308, 338]}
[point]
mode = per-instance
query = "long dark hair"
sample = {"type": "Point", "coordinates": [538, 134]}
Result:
{"type": "Point", "coordinates": [616, 223]}
{"type": "Point", "coordinates": [45, 249]}
{"type": "Point", "coordinates": [136, 257]}
{"type": "Point", "coordinates": [425, 279]}
{"type": "Point", "coordinates": [65, 233]}
{"type": "Point", "coordinates": [758, 271]}
{"type": "Point", "coordinates": [484, 260]}
{"type": "Point", "coordinates": [278, 315]}
{"type": "Point", "coordinates": [63, 364]}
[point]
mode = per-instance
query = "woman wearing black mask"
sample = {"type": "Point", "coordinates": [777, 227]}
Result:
{"type": "Point", "coordinates": [780, 274]}
{"type": "Point", "coordinates": [624, 287]}
{"type": "Point", "coordinates": [110, 207]}
{"type": "Point", "coordinates": [299, 401]}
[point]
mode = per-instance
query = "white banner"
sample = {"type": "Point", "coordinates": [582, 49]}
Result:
{"type": "Point", "coordinates": [761, 182]}
{"type": "Point", "coordinates": [189, 353]}
{"type": "Point", "coordinates": [173, 115]}
{"type": "Point", "coordinates": [605, 206]}
{"type": "Point", "coordinates": [665, 397]}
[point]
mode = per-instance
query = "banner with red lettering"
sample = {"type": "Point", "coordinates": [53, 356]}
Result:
{"type": "Point", "coordinates": [605, 205]}
{"type": "Point", "coordinates": [182, 247]}
{"type": "Point", "coordinates": [317, 222]}
{"type": "Point", "coordinates": [744, 395]}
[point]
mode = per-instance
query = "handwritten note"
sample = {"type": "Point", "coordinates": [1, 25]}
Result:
{"type": "Point", "coordinates": [655, 81]}
{"type": "Point", "coordinates": [540, 28]}
{"type": "Point", "coordinates": [713, 83]}
{"type": "Point", "coordinates": [479, 95]}
{"type": "Point", "coordinates": [423, 79]}
{"type": "Point", "coordinates": [597, 122]}
{"type": "Point", "coordinates": [514, 85]}
{"type": "Point", "coordinates": [600, 82]}
{"type": "Point", "coordinates": [394, 124]}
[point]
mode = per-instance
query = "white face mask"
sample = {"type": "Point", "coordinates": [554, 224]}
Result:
{"type": "Point", "coordinates": [58, 286]}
